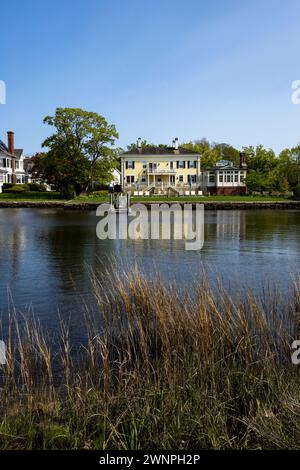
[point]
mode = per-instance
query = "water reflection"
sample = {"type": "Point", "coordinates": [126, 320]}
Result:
{"type": "Point", "coordinates": [232, 225]}
{"type": "Point", "coordinates": [44, 254]}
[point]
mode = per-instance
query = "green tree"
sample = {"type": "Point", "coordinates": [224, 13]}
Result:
{"type": "Point", "coordinates": [255, 181]}
{"type": "Point", "coordinates": [227, 152]}
{"type": "Point", "coordinates": [297, 192]}
{"type": "Point", "coordinates": [283, 185]}
{"type": "Point", "coordinates": [286, 168]}
{"type": "Point", "coordinates": [260, 159]}
{"type": "Point", "coordinates": [80, 150]}
{"type": "Point", "coordinates": [211, 153]}
{"type": "Point", "coordinates": [296, 162]}
{"type": "Point", "coordinates": [262, 166]}
{"type": "Point", "coordinates": [289, 166]}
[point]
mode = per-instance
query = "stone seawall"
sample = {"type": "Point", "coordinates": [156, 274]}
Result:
{"type": "Point", "coordinates": [209, 205]}
{"type": "Point", "coordinates": [32, 204]}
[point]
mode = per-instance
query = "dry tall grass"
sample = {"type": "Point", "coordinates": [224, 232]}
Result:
{"type": "Point", "coordinates": [161, 368]}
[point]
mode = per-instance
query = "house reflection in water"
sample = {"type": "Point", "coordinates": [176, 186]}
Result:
{"type": "Point", "coordinates": [15, 245]}
{"type": "Point", "coordinates": [231, 225]}
{"type": "Point", "coordinates": [18, 246]}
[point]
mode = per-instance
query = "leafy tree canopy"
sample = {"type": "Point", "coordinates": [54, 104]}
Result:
{"type": "Point", "coordinates": [211, 153]}
{"type": "Point", "coordinates": [79, 151]}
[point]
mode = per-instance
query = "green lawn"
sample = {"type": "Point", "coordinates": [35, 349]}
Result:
{"type": "Point", "coordinates": [186, 199]}
{"type": "Point", "coordinates": [91, 199]}
{"type": "Point", "coordinates": [210, 199]}
{"type": "Point", "coordinates": [31, 196]}
{"type": "Point", "coordinates": [55, 196]}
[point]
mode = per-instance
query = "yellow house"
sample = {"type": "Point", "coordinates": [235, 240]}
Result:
{"type": "Point", "coordinates": [158, 170]}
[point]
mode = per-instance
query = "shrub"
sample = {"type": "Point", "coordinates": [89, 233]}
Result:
{"type": "Point", "coordinates": [297, 192]}
{"type": "Point", "coordinates": [17, 188]}
{"type": "Point", "coordinates": [98, 187]}
{"type": "Point", "coordinates": [68, 192]}
{"type": "Point", "coordinates": [36, 187]}
{"type": "Point", "coordinates": [97, 193]}
{"type": "Point", "coordinates": [6, 186]}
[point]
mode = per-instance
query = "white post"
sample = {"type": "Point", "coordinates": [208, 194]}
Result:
{"type": "Point", "coordinates": [122, 174]}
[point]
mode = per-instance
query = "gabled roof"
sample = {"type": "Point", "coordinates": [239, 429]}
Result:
{"type": "Point", "coordinates": [4, 153]}
{"type": "Point", "coordinates": [225, 167]}
{"type": "Point", "coordinates": [18, 152]}
{"type": "Point", "coordinates": [3, 146]}
{"type": "Point", "coordinates": [4, 150]}
{"type": "Point", "coordinates": [153, 150]}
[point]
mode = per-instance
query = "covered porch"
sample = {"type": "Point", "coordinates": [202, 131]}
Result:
{"type": "Point", "coordinates": [161, 179]}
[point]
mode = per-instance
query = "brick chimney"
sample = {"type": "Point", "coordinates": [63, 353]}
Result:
{"type": "Point", "coordinates": [243, 163]}
{"type": "Point", "coordinates": [11, 150]}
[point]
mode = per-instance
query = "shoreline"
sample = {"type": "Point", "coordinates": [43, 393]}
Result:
{"type": "Point", "coordinates": [210, 205]}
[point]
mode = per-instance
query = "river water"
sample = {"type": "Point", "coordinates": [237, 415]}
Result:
{"type": "Point", "coordinates": [46, 254]}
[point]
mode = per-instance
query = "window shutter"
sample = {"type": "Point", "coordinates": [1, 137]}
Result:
{"type": "Point", "coordinates": [188, 163]}
{"type": "Point", "coordinates": [126, 164]}
{"type": "Point", "coordinates": [133, 165]}
{"type": "Point", "coordinates": [177, 164]}
{"type": "Point", "coordinates": [183, 164]}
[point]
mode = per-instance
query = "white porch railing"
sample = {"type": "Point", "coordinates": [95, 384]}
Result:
{"type": "Point", "coordinates": [157, 171]}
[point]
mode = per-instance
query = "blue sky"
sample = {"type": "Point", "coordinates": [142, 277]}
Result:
{"type": "Point", "coordinates": [155, 68]}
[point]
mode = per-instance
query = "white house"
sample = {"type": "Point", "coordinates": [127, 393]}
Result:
{"type": "Point", "coordinates": [11, 162]}
{"type": "Point", "coordinates": [116, 177]}
{"type": "Point", "coordinates": [225, 178]}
